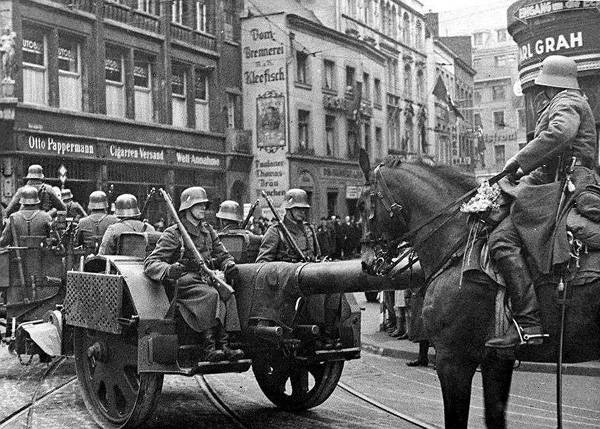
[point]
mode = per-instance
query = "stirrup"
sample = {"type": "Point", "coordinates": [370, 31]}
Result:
{"type": "Point", "coordinates": [526, 338]}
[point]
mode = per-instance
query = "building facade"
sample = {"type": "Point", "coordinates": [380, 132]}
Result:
{"type": "Point", "coordinates": [302, 85]}
{"type": "Point", "coordinates": [564, 28]}
{"type": "Point", "coordinates": [125, 95]}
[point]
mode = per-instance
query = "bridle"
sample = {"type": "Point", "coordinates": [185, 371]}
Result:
{"type": "Point", "coordinates": [387, 250]}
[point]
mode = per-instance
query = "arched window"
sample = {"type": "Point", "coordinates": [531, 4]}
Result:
{"type": "Point", "coordinates": [420, 85]}
{"type": "Point", "coordinates": [406, 28]}
{"type": "Point", "coordinates": [409, 135]}
{"type": "Point", "coordinates": [419, 35]}
{"type": "Point", "coordinates": [408, 81]}
{"type": "Point", "coordinates": [394, 24]}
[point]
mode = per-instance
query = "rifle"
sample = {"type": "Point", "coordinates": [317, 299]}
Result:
{"type": "Point", "coordinates": [286, 231]}
{"type": "Point", "coordinates": [249, 215]}
{"type": "Point", "coordinates": [223, 288]}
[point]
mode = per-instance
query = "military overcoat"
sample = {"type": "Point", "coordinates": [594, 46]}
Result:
{"type": "Point", "coordinates": [110, 240]}
{"type": "Point", "coordinates": [91, 229]}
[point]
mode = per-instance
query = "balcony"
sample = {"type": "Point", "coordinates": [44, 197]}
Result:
{"type": "Point", "coordinates": [195, 38]}
{"type": "Point", "coordinates": [82, 5]}
{"type": "Point", "coordinates": [238, 140]}
{"type": "Point", "coordinates": [136, 18]}
{"type": "Point", "coordinates": [331, 102]}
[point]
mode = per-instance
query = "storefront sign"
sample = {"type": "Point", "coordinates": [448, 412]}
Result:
{"type": "Point", "coordinates": [57, 146]}
{"type": "Point", "coordinates": [353, 192]}
{"type": "Point", "coordinates": [551, 44]}
{"type": "Point", "coordinates": [341, 172]}
{"type": "Point", "coordinates": [262, 47]}
{"type": "Point", "coordinates": [138, 153]}
{"type": "Point", "coordinates": [500, 137]}
{"type": "Point", "coordinates": [271, 177]}
{"type": "Point", "coordinates": [547, 7]}
{"type": "Point", "coordinates": [196, 160]}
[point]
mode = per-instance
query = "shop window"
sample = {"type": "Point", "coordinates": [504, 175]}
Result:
{"type": "Point", "coordinates": [230, 12]}
{"type": "Point", "coordinates": [178, 95]}
{"type": "Point", "coordinates": [328, 74]}
{"type": "Point", "coordinates": [232, 108]}
{"type": "Point", "coordinates": [201, 18]}
{"type": "Point", "coordinates": [35, 67]}
{"type": "Point", "coordinates": [407, 81]}
{"type": "Point", "coordinates": [115, 83]}
{"type": "Point", "coordinates": [304, 143]}
{"type": "Point", "coordinates": [499, 120]}
{"type": "Point", "coordinates": [201, 101]}
{"type": "Point", "coordinates": [498, 92]}
{"type": "Point", "coordinates": [177, 11]}
{"type": "Point", "coordinates": [366, 87]}
{"type": "Point", "coordinates": [330, 135]}
{"type": "Point", "coordinates": [367, 137]}
{"type": "Point", "coordinates": [352, 140]}
{"type": "Point", "coordinates": [377, 91]}
{"type": "Point", "coordinates": [499, 157]}
{"type": "Point", "coordinates": [142, 82]}
{"type": "Point", "coordinates": [302, 70]}
{"type": "Point", "coordinates": [69, 73]}
{"type": "Point", "coordinates": [350, 77]}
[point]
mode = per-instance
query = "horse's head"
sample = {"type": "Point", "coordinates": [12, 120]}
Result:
{"type": "Point", "coordinates": [386, 219]}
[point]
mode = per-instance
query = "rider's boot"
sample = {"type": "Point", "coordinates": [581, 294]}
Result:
{"type": "Point", "coordinates": [526, 327]}
{"type": "Point", "coordinates": [223, 340]}
{"type": "Point", "coordinates": [211, 352]}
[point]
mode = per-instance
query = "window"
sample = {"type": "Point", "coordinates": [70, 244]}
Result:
{"type": "Point", "coordinates": [201, 101]}
{"type": "Point", "coordinates": [378, 141]}
{"type": "Point", "coordinates": [366, 86]}
{"type": "Point", "coordinates": [499, 156]}
{"type": "Point", "coordinates": [501, 35]}
{"type": "Point", "coordinates": [302, 75]}
{"type": "Point", "coordinates": [232, 107]}
{"type": "Point", "coordinates": [407, 81]}
{"type": "Point", "coordinates": [178, 95]}
{"type": "Point", "coordinates": [498, 92]}
{"type": "Point", "coordinates": [303, 130]}
{"type": "Point", "coordinates": [328, 74]}
{"type": "Point", "coordinates": [200, 17]}
{"type": "Point", "coordinates": [69, 73]}
{"type": "Point", "coordinates": [351, 139]}
{"type": "Point", "coordinates": [377, 90]}
{"type": "Point", "coordinates": [420, 85]}
{"type": "Point", "coordinates": [393, 76]}
{"type": "Point", "coordinates": [476, 62]}
{"type": "Point", "coordinates": [499, 120]}
{"type": "Point", "coordinates": [500, 60]}
{"type": "Point", "coordinates": [478, 39]}
{"type": "Point", "coordinates": [148, 6]}
{"type": "Point", "coordinates": [408, 136]}
{"type": "Point", "coordinates": [522, 118]}
{"type": "Point", "coordinates": [330, 133]}
{"type": "Point", "coordinates": [349, 78]}
{"type": "Point", "coordinates": [35, 67]}
{"type": "Point", "coordinates": [142, 84]}
{"type": "Point", "coordinates": [419, 35]}
{"type": "Point", "coordinates": [477, 95]}
{"type": "Point", "coordinates": [406, 28]}
{"type": "Point", "coordinates": [477, 120]}
{"type": "Point", "coordinates": [331, 203]}
{"type": "Point", "coordinates": [115, 83]}
{"type": "Point", "coordinates": [177, 11]}
{"type": "Point", "coordinates": [367, 137]}
{"type": "Point", "coordinates": [230, 13]}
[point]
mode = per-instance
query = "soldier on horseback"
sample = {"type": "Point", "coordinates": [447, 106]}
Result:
{"type": "Point", "coordinates": [564, 140]}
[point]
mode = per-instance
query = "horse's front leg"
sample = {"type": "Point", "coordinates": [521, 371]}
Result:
{"type": "Point", "coordinates": [496, 374]}
{"type": "Point", "coordinates": [455, 375]}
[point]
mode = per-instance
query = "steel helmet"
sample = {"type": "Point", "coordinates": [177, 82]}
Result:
{"type": "Point", "coordinates": [296, 198]}
{"type": "Point", "coordinates": [35, 171]}
{"type": "Point", "coordinates": [66, 195]}
{"type": "Point", "coordinates": [192, 196]}
{"type": "Point", "coordinates": [29, 196]}
{"type": "Point", "coordinates": [126, 205]}
{"type": "Point", "coordinates": [98, 201]}
{"type": "Point", "coordinates": [558, 72]}
{"type": "Point", "coordinates": [229, 210]}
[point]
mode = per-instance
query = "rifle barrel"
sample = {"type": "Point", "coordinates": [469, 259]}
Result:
{"type": "Point", "coordinates": [286, 231]}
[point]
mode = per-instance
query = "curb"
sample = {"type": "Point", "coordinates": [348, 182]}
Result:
{"type": "Point", "coordinates": [550, 368]}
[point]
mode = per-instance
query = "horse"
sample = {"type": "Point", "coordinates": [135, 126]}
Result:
{"type": "Point", "coordinates": [459, 310]}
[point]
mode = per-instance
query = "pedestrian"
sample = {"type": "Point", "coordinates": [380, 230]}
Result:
{"type": "Point", "coordinates": [128, 215]}
{"type": "Point", "coordinates": [29, 221]}
{"type": "Point", "coordinates": [91, 229]}
{"type": "Point", "coordinates": [416, 330]}
{"type": "Point", "coordinates": [49, 201]}
{"type": "Point", "coordinates": [199, 303]}
{"type": "Point", "coordinates": [74, 209]}
{"type": "Point", "coordinates": [565, 136]}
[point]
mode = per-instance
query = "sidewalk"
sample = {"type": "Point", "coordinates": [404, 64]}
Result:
{"type": "Point", "coordinates": [374, 341]}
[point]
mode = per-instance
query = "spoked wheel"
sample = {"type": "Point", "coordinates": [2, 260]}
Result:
{"type": "Point", "coordinates": [113, 391]}
{"type": "Point", "coordinates": [294, 385]}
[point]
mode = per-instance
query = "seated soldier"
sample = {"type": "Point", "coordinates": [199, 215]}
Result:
{"type": "Point", "coordinates": [198, 302]}
{"type": "Point", "coordinates": [229, 216]}
{"type": "Point", "coordinates": [28, 221]}
{"type": "Point", "coordinates": [74, 209]}
{"type": "Point", "coordinates": [128, 214]}
{"type": "Point", "coordinates": [91, 229]}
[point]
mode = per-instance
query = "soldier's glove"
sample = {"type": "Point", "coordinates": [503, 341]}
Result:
{"type": "Point", "coordinates": [232, 273]}
{"type": "Point", "coordinates": [175, 271]}
{"type": "Point", "coordinates": [513, 170]}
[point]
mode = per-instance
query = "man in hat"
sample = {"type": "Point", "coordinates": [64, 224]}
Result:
{"type": "Point", "coordinates": [199, 303]}
{"type": "Point", "coordinates": [91, 229]}
{"type": "Point", "coordinates": [128, 215]}
{"type": "Point", "coordinates": [565, 136]}
{"type": "Point", "coordinates": [74, 209]}
{"type": "Point", "coordinates": [49, 201]}
{"type": "Point", "coordinates": [229, 216]}
{"type": "Point", "coordinates": [28, 221]}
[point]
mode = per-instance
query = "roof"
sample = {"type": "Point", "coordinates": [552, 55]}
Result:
{"type": "Point", "coordinates": [291, 7]}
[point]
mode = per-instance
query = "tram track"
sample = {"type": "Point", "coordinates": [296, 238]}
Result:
{"type": "Point", "coordinates": [219, 403]}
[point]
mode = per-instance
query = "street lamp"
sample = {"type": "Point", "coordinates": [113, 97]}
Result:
{"type": "Point", "coordinates": [62, 175]}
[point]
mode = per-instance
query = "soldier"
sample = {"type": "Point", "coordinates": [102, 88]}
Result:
{"type": "Point", "coordinates": [323, 309]}
{"type": "Point", "coordinates": [229, 216]}
{"type": "Point", "coordinates": [565, 129]}
{"type": "Point", "coordinates": [91, 229]}
{"type": "Point", "coordinates": [199, 303]}
{"type": "Point", "coordinates": [74, 209]}
{"type": "Point", "coordinates": [128, 213]}
{"type": "Point", "coordinates": [49, 201]}
{"type": "Point", "coordinates": [28, 221]}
